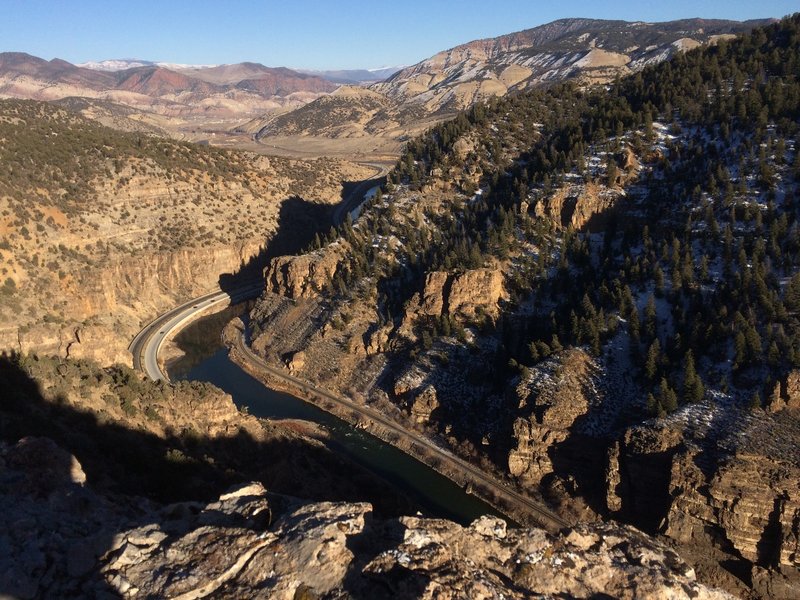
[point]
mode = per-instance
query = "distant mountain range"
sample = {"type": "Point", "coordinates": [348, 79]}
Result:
{"type": "Point", "coordinates": [355, 76]}
{"type": "Point", "coordinates": [132, 63]}
{"type": "Point", "coordinates": [180, 90]}
{"type": "Point", "coordinates": [343, 76]}
{"type": "Point", "coordinates": [587, 50]}
{"type": "Point", "coordinates": [281, 101]}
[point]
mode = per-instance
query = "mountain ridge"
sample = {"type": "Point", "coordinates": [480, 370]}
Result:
{"type": "Point", "coordinates": [588, 50]}
{"type": "Point", "coordinates": [468, 72]}
{"type": "Point", "coordinates": [224, 90]}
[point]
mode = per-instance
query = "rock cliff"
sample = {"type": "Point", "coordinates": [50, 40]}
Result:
{"type": "Point", "coordinates": [303, 276]}
{"type": "Point", "coordinates": [710, 476]}
{"type": "Point", "coordinates": [728, 480]}
{"type": "Point", "coordinates": [462, 294]}
{"type": "Point", "coordinates": [578, 206]}
{"type": "Point", "coordinates": [94, 252]}
{"type": "Point", "coordinates": [63, 539]}
{"type": "Point", "coordinates": [554, 395]}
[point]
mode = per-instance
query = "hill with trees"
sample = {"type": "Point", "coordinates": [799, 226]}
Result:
{"type": "Point", "coordinates": [593, 291]}
{"type": "Point", "coordinates": [101, 229]}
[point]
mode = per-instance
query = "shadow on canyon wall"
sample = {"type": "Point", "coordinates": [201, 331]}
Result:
{"type": "Point", "coordinates": [299, 221]}
{"type": "Point", "coordinates": [122, 463]}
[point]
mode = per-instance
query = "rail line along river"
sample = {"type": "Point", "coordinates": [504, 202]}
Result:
{"type": "Point", "coordinates": [207, 360]}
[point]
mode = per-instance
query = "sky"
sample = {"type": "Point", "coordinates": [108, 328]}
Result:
{"type": "Point", "coordinates": [310, 34]}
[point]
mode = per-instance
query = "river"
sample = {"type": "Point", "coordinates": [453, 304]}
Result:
{"type": "Point", "coordinates": [207, 360]}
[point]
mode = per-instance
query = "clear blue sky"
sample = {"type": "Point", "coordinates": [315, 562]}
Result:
{"type": "Point", "coordinates": [318, 34]}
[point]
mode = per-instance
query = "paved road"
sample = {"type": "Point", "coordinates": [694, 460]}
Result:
{"type": "Point", "coordinates": [356, 197]}
{"type": "Point", "coordinates": [146, 345]}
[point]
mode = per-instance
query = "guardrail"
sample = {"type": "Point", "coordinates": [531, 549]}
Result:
{"type": "Point", "coordinates": [145, 354]}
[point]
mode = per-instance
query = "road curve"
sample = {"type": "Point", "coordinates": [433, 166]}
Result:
{"type": "Point", "coordinates": [356, 197]}
{"type": "Point", "coordinates": [146, 345]}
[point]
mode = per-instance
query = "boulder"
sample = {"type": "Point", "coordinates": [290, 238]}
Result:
{"type": "Point", "coordinates": [46, 465]}
{"type": "Point", "coordinates": [251, 544]}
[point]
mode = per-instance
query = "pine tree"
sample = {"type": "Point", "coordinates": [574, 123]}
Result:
{"type": "Point", "coordinates": [653, 360]}
{"type": "Point", "coordinates": [791, 296]}
{"type": "Point", "coordinates": [611, 173]}
{"type": "Point", "coordinates": [634, 326]}
{"type": "Point", "coordinates": [534, 352]}
{"type": "Point", "coordinates": [650, 314]}
{"type": "Point", "coordinates": [693, 388]}
{"type": "Point", "coordinates": [703, 269]}
{"type": "Point", "coordinates": [773, 355]}
{"type": "Point", "coordinates": [739, 349]}
{"type": "Point", "coordinates": [753, 341]}
{"type": "Point", "coordinates": [652, 404]}
{"type": "Point", "coordinates": [658, 279]}
{"type": "Point", "coordinates": [544, 349]}
{"type": "Point", "coordinates": [667, 397]}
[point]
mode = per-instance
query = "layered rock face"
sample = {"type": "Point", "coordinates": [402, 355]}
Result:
{"type": "Point", "coordinates": [303, 276]}
{"type": "Point", "coordinates": [129, 287]}
{"type": "Point", "coordinates": [554, 395]}
{"type": "Point", "coordinates": [578, 206]}
{"type": "Point", "coordinates": [710, 476]}
{"type": "Point", "coordinates": [91, 253]}
{"type": "Point", "coordinates": [752, 500]}
{"type": "Point", "coordinates": [463, 294]}
{"type": "Point", "coordinates": [61, 539]}
{"type": "Point", "coordinates": [737, 490]}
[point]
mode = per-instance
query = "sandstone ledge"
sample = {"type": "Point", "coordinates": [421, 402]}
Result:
{"type": "Point", "coordinates": [65, 540]}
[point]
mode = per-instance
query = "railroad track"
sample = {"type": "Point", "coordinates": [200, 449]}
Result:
{"type": "Point", "coordinates": [541, 514]}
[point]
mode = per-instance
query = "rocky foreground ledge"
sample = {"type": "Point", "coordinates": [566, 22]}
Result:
{"type": "Point", "coordinates": [59, 538]}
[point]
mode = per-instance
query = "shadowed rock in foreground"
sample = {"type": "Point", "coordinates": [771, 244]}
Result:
{"type": "Point", "coordinates": [62, 539]}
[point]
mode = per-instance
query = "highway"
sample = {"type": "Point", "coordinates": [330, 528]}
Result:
{"type": "Point", "coordinates": [146, 345]}
{"type": "Point", "coordinates": [356, 197]}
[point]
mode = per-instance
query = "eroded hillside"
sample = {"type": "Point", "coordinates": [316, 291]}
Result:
{"type": "Point", "coordinates": [103, 229]}
{"type": "Point", "coordinates": [593, 294]}
{"type": "Point", "coordinates": [588, 51]}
